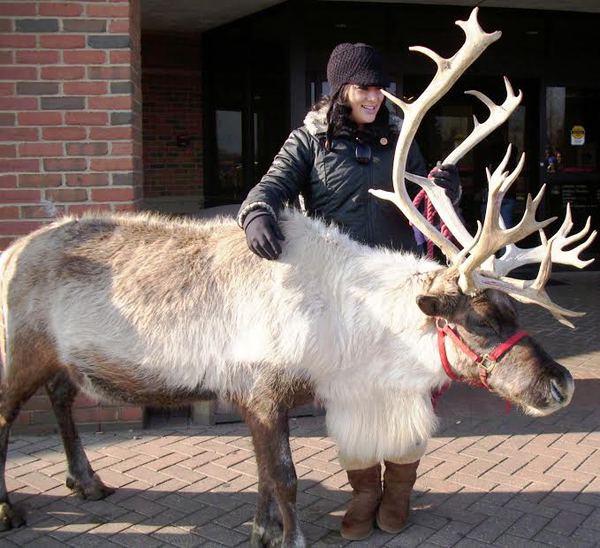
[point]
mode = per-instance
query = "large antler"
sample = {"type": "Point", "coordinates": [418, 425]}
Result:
{"type": "Point", "coordinates": [515, 257]}
{"type": "Point", "coordinates": [477, 266]}
{"type": "Point", "coordinates": [498, 115]}
{"type": "Point", "coordinates": [448, 71]}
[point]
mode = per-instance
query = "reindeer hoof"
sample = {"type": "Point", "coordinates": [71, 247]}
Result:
{"type": "Point", "coordinates": [9, 517]}
{"type": "Point", "coordinates": [91, 490]}
{"type": "Point", "coordinates": [269, 536]}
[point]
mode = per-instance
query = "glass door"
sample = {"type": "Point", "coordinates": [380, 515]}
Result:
{"type": "Point", "coordinates": [247, 111]}
{"type": "Point", "coordinates": [571, 162]}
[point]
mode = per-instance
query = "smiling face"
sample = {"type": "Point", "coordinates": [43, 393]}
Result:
{"type": "Point", "coordinates": [365, 102]}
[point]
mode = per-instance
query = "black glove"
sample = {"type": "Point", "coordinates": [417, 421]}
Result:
{"type": "Point", "coordinates": [447, 177]}
{"type": "Point", "coordinates": [263, 234]}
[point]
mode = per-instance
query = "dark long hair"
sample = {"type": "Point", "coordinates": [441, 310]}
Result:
{"type": "Point", "coordinates": [340, 123]}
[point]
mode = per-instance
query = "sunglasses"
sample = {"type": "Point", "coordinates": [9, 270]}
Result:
{"type": "Point", "coordinates": [363, 153]}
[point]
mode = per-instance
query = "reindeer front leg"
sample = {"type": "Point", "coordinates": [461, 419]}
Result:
{"type": "Point", "coordinates": [277, 482]}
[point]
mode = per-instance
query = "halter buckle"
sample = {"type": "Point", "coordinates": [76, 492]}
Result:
{"type": "Point", "coordinates": [487, 363]}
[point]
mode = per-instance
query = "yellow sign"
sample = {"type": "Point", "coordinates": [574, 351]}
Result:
{"type": "Point", "coordinates": [578, 135]}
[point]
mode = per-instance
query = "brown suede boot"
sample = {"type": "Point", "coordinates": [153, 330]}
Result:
{"type": "Point", "coordinates": [398, 481]}
{"type": "Point", "coordinates": [366, 494]}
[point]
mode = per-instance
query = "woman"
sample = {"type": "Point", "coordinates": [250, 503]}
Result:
{"type": "Point", "coordinates": [345, 147]}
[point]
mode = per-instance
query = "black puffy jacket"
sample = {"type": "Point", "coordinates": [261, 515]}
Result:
{"type": "Point", "coordinates": [334, 186]}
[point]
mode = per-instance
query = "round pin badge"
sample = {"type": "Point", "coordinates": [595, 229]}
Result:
{"type": "Point", "coordinates": [383, 141]}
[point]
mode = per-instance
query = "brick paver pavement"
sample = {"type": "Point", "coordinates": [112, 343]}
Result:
{"type": "Point", "coordinates": [488, 478]}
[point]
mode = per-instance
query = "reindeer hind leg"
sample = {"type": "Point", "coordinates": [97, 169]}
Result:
{"type": "Point", "coordinates": [81, 478]}
{"type": "Point", "coordinates": [28, 365]}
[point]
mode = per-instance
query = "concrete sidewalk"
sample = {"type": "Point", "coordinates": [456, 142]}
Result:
{"type": "Point", "coordinates": [488, 478]}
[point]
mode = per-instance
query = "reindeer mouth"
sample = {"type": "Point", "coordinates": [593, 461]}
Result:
{"type": "Point", "coordinates": [559, 395]}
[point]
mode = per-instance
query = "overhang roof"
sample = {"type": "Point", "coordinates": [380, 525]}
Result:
{"type": "Point", "coordinates": [202, 15]}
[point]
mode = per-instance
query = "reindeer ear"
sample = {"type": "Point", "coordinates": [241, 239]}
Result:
{"type": "Point", "coordinates": [437, 305]}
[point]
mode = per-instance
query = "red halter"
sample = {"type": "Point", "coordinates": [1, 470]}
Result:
{"type": "Point", "coordinates": [485, 363]}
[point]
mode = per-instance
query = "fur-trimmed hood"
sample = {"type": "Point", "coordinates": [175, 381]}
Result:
{"type": "Point", "coordinates": [316, 121]}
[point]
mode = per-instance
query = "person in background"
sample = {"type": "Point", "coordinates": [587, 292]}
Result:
{"type": "Point", "coordinates": [345, 147]}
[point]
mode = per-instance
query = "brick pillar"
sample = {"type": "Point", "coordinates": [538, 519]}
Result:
{"type": "Point", "coordinates": [70, 110]}
{"type": "Point", "coordinates": [70, 134]}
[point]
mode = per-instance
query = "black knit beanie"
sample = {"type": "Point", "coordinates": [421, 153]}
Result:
{"type": "Point", "coordinates": [357, 64]}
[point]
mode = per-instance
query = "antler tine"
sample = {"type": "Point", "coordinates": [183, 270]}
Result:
{"type": "Point", "coordinates": [516, 256]}
{"type": "Point", "coordinates": [448, 71]}
{"type": "Point", "coordinates": [498, 115]}
{"type": "Point", "coordinates": [493, 237]}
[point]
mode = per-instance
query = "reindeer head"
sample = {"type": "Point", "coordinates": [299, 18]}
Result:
{"type": "Point", "coordinates": [468, 301]}
{"type": "Point", "coordinates": [488, 348]}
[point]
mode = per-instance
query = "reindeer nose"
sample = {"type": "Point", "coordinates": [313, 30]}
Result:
{"type": "Point", "coordinates": [555, 391]}
{"type": "Point", "coordinates": [561, 389]}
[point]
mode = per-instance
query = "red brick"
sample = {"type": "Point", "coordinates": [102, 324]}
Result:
{"type": "Point", "coordinates": [40, 180]}
{"type": "Point", "coordinates": [19, 165]}
{"type": "Point", "coordinates": [131, 413]}
{"type": "Point", "coordinates": [41, 149]}
{"type": "Point", "coordinates": [7, 119]}
{"type": "Point", "coordinates": [119, 26]}
{"type": "Point", "coordinates": [19, 196]}
{"type": "Point", "coordinates": [66, 9]}
{"type": "Point", "coordinates": [17, 41]}
{"type": "Point", "coordinates": [8, 151]}
{"type": "Point", "coordinates": [111, 164]}
{"type": "Point", "coordinates": [6, 57]}
{"type": "Point", "coordinates": [121, 102]}
{"type": "Point", "coordinates": [63, 133]}
{"type": "Point", "coordinates": [18, 103]}
{"type": "Point", "coordinates": [4, 243]}
{"type": "Point", "coordinates": [19, 228]}
{"type": "Point", "coordinates": [86, 415]}
{"type": "Point", "coordinates": [67, 194]}
{"type": "Point", "coordinates": [37, 57]}
{"type": "Point", "coordinates": [125, 207]}
{"type": "Point", "coordinates": [7, 88]}
{"type": "Point", "coordinates": [113, 194]}
{"type": "Point", "coordinates": [41, 212]}
{"type": "Point", "coordinates": [111, 133]}
{"type": "Point", "coordinates": [13, 9]}
{"type": "Point", "coordinates": [107, 10]}
{"type": "Point", "coordinates": [67, 41]}
{"type": "Point", "coordinates": [65, 164]}
{"type": "Point", "coordinates": [87, 179]}
{"type": "Point", "coordinates": [8, 181]}
{"type": "Point", "coordinates": [39, 118]}
{"type": "Point", "coordinates": [121, 149]}
{"type": "Point", "coordinates": [84, 57]}
{"type": "Point", "coordinates": [9, 212]}
{"type": "Point", "coordinates": [18, 134]}
{"type": "Point", "coordinates": [109, 73]}
{"type": "Point", "coordinates": [18, 73]}
{"type": "Point", "coordinates": [87, 149]}
{"type": "Point", "coordinates": [86, 119]}
{"type": "Point", "coordinates": [6, 25]}
{"type": "Point", "coordinates": [83, 208]}
{"type": "Point", "coordinates": [62, 73]}
{"type": "Point", "coordinates": [85, 88]}
{"type": "Point", "coordinates": [120, 57]}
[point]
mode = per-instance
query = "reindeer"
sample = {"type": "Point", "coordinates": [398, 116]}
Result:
{"type": "Point", "coordinates": [144, 309]}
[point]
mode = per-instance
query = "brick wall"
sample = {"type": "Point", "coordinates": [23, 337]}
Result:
{"type": "Point", "coordinates": [70, 110]}
{"type": "Point", "coordinates": [173, 145]}
{"type": "Point", "coordinates": [37, 416]}
{"type": "Point", "coordinates": [70, 134]}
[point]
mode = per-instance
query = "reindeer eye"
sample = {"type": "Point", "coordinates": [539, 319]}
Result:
{"type": "Point", "coordinates": [483, 323]}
